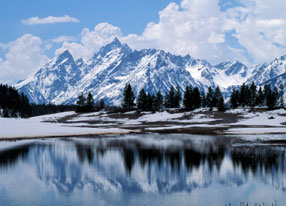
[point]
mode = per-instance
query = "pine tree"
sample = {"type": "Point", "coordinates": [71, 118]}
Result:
{"type": "Point", "coordinates": [13, 103]}
{"type": "Point", "coordinates": [187, 100]}
{"type": "Point", "coordinates": [266, 93]}
{"type": "Point", "coordinates": [128, 98]}
{"type": "Point", "coordinates": [217, 96]}
{"type": "Point", "coordinates": [196, 98]}
{"type": "Point", "coordinates": [276, 95]}
{"type": "Point", "coordinates": [252, 92]}
{"type": "Point", "coordinates": [178, 97]}
{"type": "Point", "coordinates": [101, 104]}
{"type": "Point", "coordinates": [81, 100]}
{"type": "Point", "coordinates": [89, 103]}
{"type": "Point", "coordinates": [281, 93]}
{"type": "Point", "coordinates": [242, 95]}
{"type": "Point", "coordinates": [259, 97]}
{"type": "Point", "coordinates": [234, 99]}
{"type": "Point", "coordinates": [271, 100]}
{"type": "Point", "coordinates": [203, 98]}
{"type": "Point", "coordinates": [159, 100]}
{"type": "Point", "coordinates": [170, 100]}
{"type": "Point", "coordinates": [149, 102]}
{"type": "Point", "coordinates": [220, 104]}
{"type": "Point", "coordinates": [209, 97]}
{"type": "Point", "coordinates": [81, 103]}
{"type": "Point", "coordinates": [141, 101]}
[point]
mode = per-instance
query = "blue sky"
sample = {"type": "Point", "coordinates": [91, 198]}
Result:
{"type": "Point", "coordinates": [34, 31]}
{"type": "Point", "coordinates": [130, 15]}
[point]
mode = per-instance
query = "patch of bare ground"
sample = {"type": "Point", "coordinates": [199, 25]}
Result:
{"type": "Point", "coordinates": [134, 115]}
{"type": "Point", "coordinates": [191, 130]}
{"type": "Point", "coordinates": [67, 118]}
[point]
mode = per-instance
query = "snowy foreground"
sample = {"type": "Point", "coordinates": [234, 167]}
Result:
{"type": "Point", "coordinates": [232, 122]}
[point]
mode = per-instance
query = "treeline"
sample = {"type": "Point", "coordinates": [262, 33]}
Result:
{"type": "Point", "coordinates": [189, 99]}
{"type": "Point", "coordinates": [43, 109]}
{"type": "Point", "coordinates": [13, 104]}
{"type": "Point", "coordinates": [192, 99]}
{"type": "Point", "coordinates": [252, 96]}
{"type": "Point", "coordinates": [87, 104]}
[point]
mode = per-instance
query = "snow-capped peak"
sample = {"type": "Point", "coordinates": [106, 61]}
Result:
{"type": "Point", "coordinates": [115, 44]}
{"type": "Point", "coordinates": [66, 55]}
{"type": "Point", "coordinates": [105, 75]}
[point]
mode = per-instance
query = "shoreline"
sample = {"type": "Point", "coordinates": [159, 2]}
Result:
{"type": "Point", "coordinates": [200, 122]}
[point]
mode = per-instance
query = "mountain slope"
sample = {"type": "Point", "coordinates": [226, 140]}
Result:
{"type": "Point", "coordinates": [105, 75]}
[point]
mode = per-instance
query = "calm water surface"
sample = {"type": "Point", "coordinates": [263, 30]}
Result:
{"type": "Point", "coordinates": [142, 170]}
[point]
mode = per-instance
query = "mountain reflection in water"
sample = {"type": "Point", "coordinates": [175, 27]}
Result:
{"type": "Point", "coordinates": [158, 164]}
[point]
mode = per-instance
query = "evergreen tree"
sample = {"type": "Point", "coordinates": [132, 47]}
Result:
{"type": "Point", "coordinates": [217, 96]}
{"type": "Point", "coordinates": [159, 100]}
{"type": "Point", "coordinates": [154, 103]}
{"type": "Point", "coordinates": [128, 98]}
{"type": "Point", "coordinates": [271, 100]}
{"type": "Point", "coordinates": [81, 100]}
{"type": "Point", "coordinates": [178, 97]}
{"type": "Point", "coordinates": [101, 105]}
{"type": "Point", "coordinates": [141, 101]}
{"type": "Point", "coordinates": [276, 95]}
{"type": "Point", "coordinates": [260, 97]}
{"type": "Point", "coordinates": [252, 92]}
{"type": "Point", "coordinates": [220, 104]}
{"type": "Point", "coordinates": [234, 99]}
{"type": "Point", "coordinates": [281, 93]}
{"type": "Point", "coordinates": [197, 101]}
{"type": "Point", "coordinates": [187, 100]}
{"type": "Point", "coordinates": [243, 95]}
{"type": "Point", "coordinates": [89, 102]}
{"type": "Point", "coordinates": [149, 102]}
{"type": "Point", "coordinates": [266, 93]}
{"type": "Point", "coordinates": [203, 99]}
{"type": "Point", "coordinates": [81, 103]}
{"type": "Point", "coordinates": [170, 100]}
{"type": "Point", "coordinates": [209, 97]}
{"type": "Point", "coordinates": [12, 103]}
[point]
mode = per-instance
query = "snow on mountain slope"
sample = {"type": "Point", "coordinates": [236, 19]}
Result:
{"type": "Point", "coordinates": [105, 75]}
{"type": "Point", "coordinates": [273, 74]}
{"type": "Point", "coordinates": [231, 73]}
{"type": "Point", "coordinates": [55, 78]}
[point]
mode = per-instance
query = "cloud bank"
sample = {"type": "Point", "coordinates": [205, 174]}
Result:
{"type": "Point", "coordinates": [23, 57]}
{"type": "Point", "coordinates": [251, 31]}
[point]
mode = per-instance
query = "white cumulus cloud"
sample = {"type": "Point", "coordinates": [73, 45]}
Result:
{"type": "Point", "coordinates": [252, 33]}
{"type": "Point", "coordinates": [91, 40]}
{"type": "Point", "coordinates": [49, 20]}
{"type": "Point", "coordinates": [23, 56]}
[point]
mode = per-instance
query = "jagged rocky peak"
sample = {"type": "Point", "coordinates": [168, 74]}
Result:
{"type": "Point", "coordinates": [233, 68]}
{"type": "Point", "coordinates": [283, 58]}
{"type": "Point", "coordinates": [228, 64]}
{"type": "Point", "coordinates": [65, 55]}
{"type": "Point", "coordinates": [115, 44]}
{"type": "Point", "coordinates": [115, 64]}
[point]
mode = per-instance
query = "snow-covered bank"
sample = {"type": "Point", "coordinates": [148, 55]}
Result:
{"type": "Point", "coordinates": [239, 121]}
{"type": "Point", "coordinates": [39, 127]}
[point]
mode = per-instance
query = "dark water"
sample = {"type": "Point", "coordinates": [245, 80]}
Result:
{"type": "Point", "coordinates": [142, 170]}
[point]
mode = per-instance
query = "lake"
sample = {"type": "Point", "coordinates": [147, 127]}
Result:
{"type": "Point", "coordinates": [149, 169]}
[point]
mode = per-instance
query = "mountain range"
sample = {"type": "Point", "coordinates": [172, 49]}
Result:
{"type": "Point", "coordinates": [105, 75]}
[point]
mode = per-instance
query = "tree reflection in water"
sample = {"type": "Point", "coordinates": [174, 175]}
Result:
{"type": "Point", "coordinates": [167, 167]}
